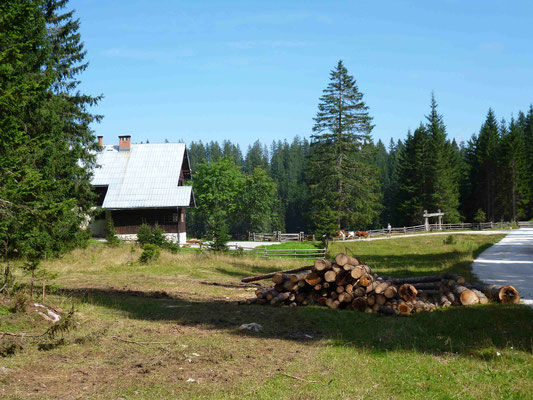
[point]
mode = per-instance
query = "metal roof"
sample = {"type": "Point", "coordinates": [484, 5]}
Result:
{"type": "Point", "coordinates": [147, 176]}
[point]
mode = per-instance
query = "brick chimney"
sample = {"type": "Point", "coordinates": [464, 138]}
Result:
{"type": "Point", "coordinates": [124, 142]}
{"type": "Point", "coordinates": [100, 141]}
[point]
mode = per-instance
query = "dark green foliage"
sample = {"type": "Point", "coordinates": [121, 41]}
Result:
{"type": "Point", "coordinates": [158, 236]}
{"type": "Point", "coordinates": [256, 157]}
{"type": "Point", "coordinates": [220, 236]}
{"type": "Point", "coordinates": [515, 189]}
{"type": "Point", "coordinates": [339, 167]}
{"type": "Point", "coordinates": [480, 216]}
{"type": "Point", "coordinates": [151, 252]}
{"type": "Point", "coordinates": [450, 239]}
{"type": "Point", "coordinates": [45, 140]}
{"type": "Point", "coordinates": [487, 154]}
{"type": "Point", "coordinates": [110, 233]}
{"type": "Point", "coordinates": [412, 178]}
{"type": "Point", "coordinates": [148, 235]}
{"type": "Point", "coordinates": [144, 235]}
{"type": "Point", "coordinates": [218, 187]}
{"type": "Point", "coordinates": [258, 201]}
{"type": "Point", "coordinates": [429, 172]}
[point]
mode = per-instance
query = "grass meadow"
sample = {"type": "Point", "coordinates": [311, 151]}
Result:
{"type": "Point", "coordinates": [171, 330]}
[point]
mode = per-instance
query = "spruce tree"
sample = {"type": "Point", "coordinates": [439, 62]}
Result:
{"type": "Point", "coordinates": [380, 161]}
{"type": "Point", "coordinates": [342, 182]}
{"type": "Point", "coordinates": [515, 182]}
{"type": "Point", "coordinates": [46, 144]}
{"type": "Point", "coordinates": [256, 157]}
{"type": "Point", "coordinates": [442, 186]}
{"type": "Point", "coordinates": [526, 124]}
{"type": "Point", "coordinates": [486, 182]}
{"type": "Point", "coordinates": [413, 176]}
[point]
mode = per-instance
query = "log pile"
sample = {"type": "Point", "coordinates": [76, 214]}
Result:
{"type": "Point", "coordinates": [349, 283]}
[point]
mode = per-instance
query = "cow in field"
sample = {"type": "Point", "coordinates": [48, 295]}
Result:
{"type": "Point", "coordinates": [362, 234]}
{"type": "Point", "coordinates": [343, 234]}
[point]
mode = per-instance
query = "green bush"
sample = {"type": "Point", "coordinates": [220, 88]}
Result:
{"type": "Point", "coordinates": [450, 240]}
{"type": "Point", "coordinates": [155, 236]}
{"type": "Point", "coordinates": [480, 216]}
{"type": "Point", "coordinates": [144, 235]}
{"type": "Point", "coordinates": [110, 233]}
{"type": "Point", "coordinates": [158, 236]}
{"type": "Point", "coordinates": [151, 252]}
{"type": "Point", "coordinates": [220, 238]}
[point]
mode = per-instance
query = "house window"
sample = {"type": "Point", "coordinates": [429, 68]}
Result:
{"type": "Point", "coordinates": [169, 219]}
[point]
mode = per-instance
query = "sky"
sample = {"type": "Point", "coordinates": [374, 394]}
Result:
{"type": "Point", "coordinates": [255, 70]}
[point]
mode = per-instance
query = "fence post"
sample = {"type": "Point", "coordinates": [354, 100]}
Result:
{"type": "Point", "coordinates": [295, 253]}
{"type": "Point", "coordinates": [266, 253]}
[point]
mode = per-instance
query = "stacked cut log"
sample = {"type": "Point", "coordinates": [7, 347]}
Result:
{"type": "Point", "coordinates": [349, 283]}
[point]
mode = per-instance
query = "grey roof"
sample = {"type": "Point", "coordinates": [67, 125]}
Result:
{"type": "Point", "coordinates": [145, 177]}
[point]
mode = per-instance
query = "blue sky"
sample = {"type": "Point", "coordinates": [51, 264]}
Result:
{"type": "Point", "coordinates": [248, 70]}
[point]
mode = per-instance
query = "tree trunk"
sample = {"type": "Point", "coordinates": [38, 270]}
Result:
{"type": "Point", "coordinates": [407, 292]}
{"type": "Point", "coordinates": [270, 275]}
{"type": "Point", "coordinates": [330, 276]}
{"type": "Point", "coordinates": [390, 292]}
{"type": "Point", "coordinates": [280, 277]}
{"type": "Point", "coordinates": [343, 259]}
{"type": "Point", "coordinates": [501, 294]}
{"type": "Point", "coordinates": [464, 295]}
{"type": "Point", "coordinates": [313, 279]}
{"type": "Point", "coordinates": [322, 264]}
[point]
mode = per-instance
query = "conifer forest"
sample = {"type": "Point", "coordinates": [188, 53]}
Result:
{"type": "Point", "coordinates": [341, 178]}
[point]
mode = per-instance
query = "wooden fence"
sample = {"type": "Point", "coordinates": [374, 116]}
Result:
{"type": "Point", "coordinates": [301, 254]}
{"type": "Point", "coordinates": [266, 252]}
{"type": "Point", "coordinates": [435, 227]}
{"type": "Point", "coordinates": [279, 237]}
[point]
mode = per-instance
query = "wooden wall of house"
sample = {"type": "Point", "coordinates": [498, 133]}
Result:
{"type": "Point", "coordinates": [129, 221]}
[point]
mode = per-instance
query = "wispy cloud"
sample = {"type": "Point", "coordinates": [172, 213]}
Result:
{"type": "Point", "coordinates": [492, 47]}
{"type": "Point", "coordinates": [141, 54]}
{"type": "Point", "coordinates": [248, 44]}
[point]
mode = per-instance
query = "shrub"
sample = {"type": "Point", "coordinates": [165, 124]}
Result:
{"type": "Point", "coordinates": [158, 236]}
{"type": "Point", "coordinates": [144, 235]}
{"type": "Point", "coordinates": [480, 216]}
{"type": "Point", "coordinates": [110, 233]}
{"type": "Point", "coordinates": [155, 236]}
{"type": "Point", "coordinates": [151, 252]}
{"type": "Point", "coordinates": [450, 240]}
{"type": "Point", "coordinates": [20, 301]}
{"type": "Point", "coordinates": [220, 238]}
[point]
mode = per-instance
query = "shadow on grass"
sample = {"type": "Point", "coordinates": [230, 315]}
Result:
{"type": "Point", "coordinates": [472, 331]}
{"type": "Point", "coordinates": [241, 266]}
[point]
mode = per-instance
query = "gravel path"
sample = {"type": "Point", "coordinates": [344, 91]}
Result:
{"type": "Point", "coordinates": [510, 261]}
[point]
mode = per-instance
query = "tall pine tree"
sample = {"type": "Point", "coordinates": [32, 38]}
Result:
{"type": "Point", "coordinates": [343, 184]}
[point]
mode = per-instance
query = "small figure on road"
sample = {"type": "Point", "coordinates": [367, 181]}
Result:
{"type": "Point", "coordinates": [389, 229]}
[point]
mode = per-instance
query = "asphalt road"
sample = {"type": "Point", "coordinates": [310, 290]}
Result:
{"type": "Point", "coordinates": [510, 261]}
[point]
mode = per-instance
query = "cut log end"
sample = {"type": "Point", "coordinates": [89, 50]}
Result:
{"type": "Point", "coordinates": [508, 294]}
{"type": "Point", "coordinates": [407, 292]}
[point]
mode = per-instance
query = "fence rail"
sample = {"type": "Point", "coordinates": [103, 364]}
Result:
{"type": "Point", "coordinates": [443, 227]}
{"type": "Point", "coordinates": [266, 252]}
{"type": "Point", "coordinates": [280, 237]}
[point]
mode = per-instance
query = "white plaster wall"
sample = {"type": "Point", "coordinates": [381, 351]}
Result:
{"type": "Point", "coordinates": [171, 236]}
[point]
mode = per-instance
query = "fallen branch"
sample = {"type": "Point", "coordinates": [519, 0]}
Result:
{"type": "Point", "coordinates": [297, 378]}
{"type": "Point", "coordinates": [135, 342]}
{"type": "Point", "coordinates": [271, 275]}
{"type": "Point", "coordinates": [22, 335]}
